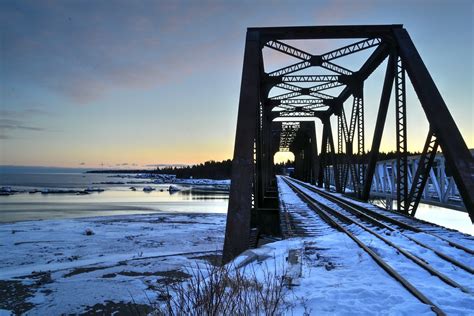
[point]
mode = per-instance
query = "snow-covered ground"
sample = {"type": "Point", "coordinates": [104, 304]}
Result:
{"type": "Point", "coordinates": [370, 280]}
{"type": "Point", "coordinates": [55, 267]}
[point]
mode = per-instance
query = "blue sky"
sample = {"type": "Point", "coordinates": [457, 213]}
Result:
{"type": "Point", "coordinates": [86, 83]}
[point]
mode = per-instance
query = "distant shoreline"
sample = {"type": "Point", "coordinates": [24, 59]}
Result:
{"type": "Point", "coordinates": [153, 171]}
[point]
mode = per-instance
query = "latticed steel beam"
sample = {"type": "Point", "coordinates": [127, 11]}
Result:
{"type": "Point", "coordinates": [401, 138]}
{"type": "Point", "coordinates": [325, 58]}
{"type": "Point", "coordinates": [287, 107]}
{"type": "Point", "coordinates": [422, 172]}
{"type": "Point", "coordinates": [327, 173]}
{"type": "Point", "coordinates": [290, 69]}
{"type": "Point", "coordinates": [353, 121]}
{"type": "Point", "coordinates": [336, 68]}
{"type": "Point", "coordinates": [289, 87]}
{"type": "Point", "coordinates": [314, 106]}
{"type": "Point", "coordinates": [357, 121]}
{"type": "Point", "coordinates": [332, 155]}
{"type": "Point", "coordinates": [352, 48]}
{"type": "Point", "coordinates": [288, 49]}
{"type": "Point", "coordinates": [286, 96]}
{"type": "Point", "coordinates": [345, 130]}
{"type": "Point", "coordinates": [320, 95]}
{"type": "Point", "coordinates": [302, 101]}
{"type": "Point", "coordinates": [325, 86]}
{"type": "Point", "coordinates": [323, 156]}
{"type": "Point", "coordinates": [296, 113]}
{"type": "Point", "coordinates": [284, 107]}
{"type": "Point", "coordinates": [360, 143]}
{"type": "Point", "coordinates": [340, 135]}
{"type": "Point", "coordinates": [310, 78]}
{"type": "Point", "coordinates": [292, 104]}
{"type": "Point", "coordinates": [340, 163]}
{"type": "Point", "coordinates": [345, 139]}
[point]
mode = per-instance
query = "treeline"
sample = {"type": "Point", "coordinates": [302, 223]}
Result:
{"type": "Point", "coordinates": [380, 157]}
{"type": "Point", "coordinates": [220, 170]}
{"type": "Point", "coordinates": [216, 170]}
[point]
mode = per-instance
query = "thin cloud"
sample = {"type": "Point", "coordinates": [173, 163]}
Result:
{"type": "Point", "coordinates": [29, 112]}
{"type": "Point", "coordinates": [10, 124]}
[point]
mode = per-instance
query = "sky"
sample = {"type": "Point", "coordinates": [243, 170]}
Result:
{"type": "Point", "coordinates": [139, 83]}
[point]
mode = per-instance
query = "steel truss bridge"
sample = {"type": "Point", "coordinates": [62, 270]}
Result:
{"type": "Point", "coordinates": [317, 87]}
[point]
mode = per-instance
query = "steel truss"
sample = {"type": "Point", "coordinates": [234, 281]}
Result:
{"type": "Point", "coordinates": [252, 200]}
{"type": "Point", "coordinates": [401, 138]}
{"type": "Point", "coordinates": [422, 172]}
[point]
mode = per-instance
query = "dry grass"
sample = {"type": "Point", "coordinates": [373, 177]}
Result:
{"type": "Point", "coordinates": [224, 290]}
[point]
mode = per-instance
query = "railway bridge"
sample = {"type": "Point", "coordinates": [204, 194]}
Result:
{"type": "Point", "coordinates": [315, 107]}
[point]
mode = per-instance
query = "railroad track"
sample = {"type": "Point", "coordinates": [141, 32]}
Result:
{"type": "Point", "coordinates": [345, 216]}
{"type": "Point", "coordinates": [401, 221]}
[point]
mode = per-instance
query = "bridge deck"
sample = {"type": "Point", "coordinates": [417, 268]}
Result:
{"type": "Point", "coordinates": [433, 264]}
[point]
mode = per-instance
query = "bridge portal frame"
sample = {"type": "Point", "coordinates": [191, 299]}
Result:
{"type": "Point", "coordinates": [248, 168]}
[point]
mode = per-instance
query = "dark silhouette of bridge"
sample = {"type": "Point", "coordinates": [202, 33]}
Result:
{"type": "Point", "coordinates": [268, 124]}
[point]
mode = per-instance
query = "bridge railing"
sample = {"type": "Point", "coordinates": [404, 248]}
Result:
{"type": "Point", "coordinates": [440, 189]}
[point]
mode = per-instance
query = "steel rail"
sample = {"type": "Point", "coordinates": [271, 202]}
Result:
{"type": "Point", "coordinates": [344, 202]}
{"type": "Point", "coordinates": [406, 253]}
{"type": "Point", "coordinates": [373, 220]}
{"type": "Point", "coordinates": [384, 265]}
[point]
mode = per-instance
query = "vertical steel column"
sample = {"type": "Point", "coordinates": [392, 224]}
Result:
{"type": "Point", "coordinates": [259, 161]}
{"type": "Point", "coordinates": [323, 155]}
{"type": "Point", "coordinates": [346, 158]}
{"type": "Point", "coordinates": [360, 142]}
{"type": "Point", "coordinates": [237, 235]}
{"type": "Point", "coordinates": [332, 156]}
{"type": "Point", "coordinates": [340, 136]}
{"type": "Point", "coordinates": [327, 176]}
{"type": "Point", "coordinates": [339, 159]}
{"type": "Point", "coordinates": [350, 141]}
{"type": "Point", "coordinates": [401, 139]}
{"type": "Point", "coordinates": [314, 153]}
{"type": "Point", "coordinates": [456, 153]}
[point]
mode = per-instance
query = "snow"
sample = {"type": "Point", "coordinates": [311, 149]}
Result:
{"type": "Point", "coordinates": [451, 300]}
{"type": "Point", "coordinates": [63, 269]}
{"type": "Point", "coordinates": [122, 261]}
{"type": "Point", "coordinates": [330, 283]}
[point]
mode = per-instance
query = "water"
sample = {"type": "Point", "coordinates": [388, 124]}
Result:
{"type": "Point", "coordinates": [117, 199]}
{"type": "Point", "coordinates": [444, 217]}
